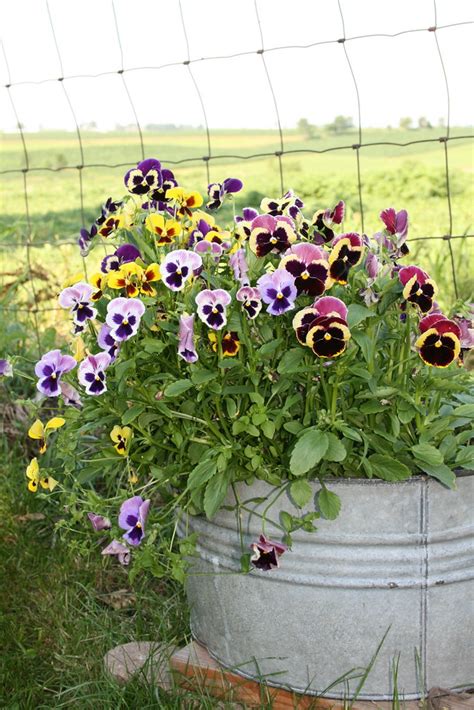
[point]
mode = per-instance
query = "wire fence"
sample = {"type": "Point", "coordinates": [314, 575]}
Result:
{"type": "Point", "coordinates": [81, 168]}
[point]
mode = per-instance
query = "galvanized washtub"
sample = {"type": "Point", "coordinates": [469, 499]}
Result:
{"type": "Point", "coordinates": [400, 555]}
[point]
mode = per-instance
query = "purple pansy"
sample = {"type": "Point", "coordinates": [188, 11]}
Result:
{"type": "Point", "coordinates": [212, 307]}
{"type": "Point", "coordinates": [266, 553]}
{"type": "Point", "coordinates": [324, 222]}
{"type": "Point", "coordinates": [118, 549]}
{"type": "Point", "coordinates": [244, 223]}
{"type": "Point", "coordinates": [123, 317]}
{"type": "Point", "coordinates": [213, 248]}
{"type": "Point", "coordinates": [372, 265]}
{"type": "Point", "coordinates": [6, 369]}
{"type": "Point", "coordinates": [50, 369]}
{"type": "Point", "coordinates": [251, 301]}
{"type": "Point", "coordinates": [178, 267]}
{"type": "Point", "coordinates": [132, 518]}
{"type": "Point", "coordinates": [85, 239]}
{"type": "Point", "coordinates": [107, 343]}
{"type": "Point", "coordinates": [158, 196]}
{"type": "Point", "coordinates": [70, 395]}
{"type": "Point", "coordinates": [278, 290]}
{"type": "Point", "coordinates": [122, 255]}
{"type": "Point", "coordinates": [238, 263]}
{"type": "Point", "coordinates": [218, 191]}
{"type": "Point", "coordinates": [91, 373]}
{"type": "Point", "coordinates": [145, 178]}
{"type": "Point", "coordinates": [78, 299]}
{"type": "Point", "coordinates": [186, 348]}
{"type": "Point", "coordinates": [98, 522]}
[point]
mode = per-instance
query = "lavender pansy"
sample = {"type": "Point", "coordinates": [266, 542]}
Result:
{"type": "Point", "coordinates": [186, 348]}
{"type": "Point", "coordinates": [50, 369]}
{"type": "Point", "coordinates": [78, 299]}
{"type": "Point", "coordinates": [372, 265]}
{"type": "Point", "coordinates": [106, 342]}
{"type": "Point", "coordinates": [98, 522]}
{"type": "Point", "coordinates": [6, 369]}
{"type": "Point", "coordinates": [70, 395]}
{"type": "Point", "coordinates": [91, 373]}
{"type": "Point", "coordinates": [178, 267]}
{"type": "Point", "coordinates": [119, 550]}
{"type": "Point", "coordinates": [251, 301]}
{"type": "Point", "coordinates": [212, 248]}
{"type": "Point", "coordinates": [238, 263]}
{"type": "Point", "coordinates": [123, 317]}
{"type": "Point", "coordinates": [279, 291]}
{"type": "Point", "coordinates": [212, 307]}
{"type": "Point", "coordinates": [132, 519]}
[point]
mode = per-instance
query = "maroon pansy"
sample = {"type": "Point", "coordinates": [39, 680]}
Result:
{"type": "Point", "coordinates": [266, 553]}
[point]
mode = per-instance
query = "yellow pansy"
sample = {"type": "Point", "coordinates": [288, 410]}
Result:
{"type": "Point", "coordinates": [166, 230]}
{"type": "Point", "coordinates": [40, 432]}
{"type": "Point", "coordinates": [200, 215]}
{"type": "Point", "coordinates": [185, 200]}
{"type": "Point", "coordinates": [78, 349]}
{"type": "Point", "coordinates": [99, 281]}
{"type": "Point", "coordinates": [35, 480]}
{"type": "Point", "coordinates": [134, 279]}
{"type": "Point", "coordinates": [121, 437]}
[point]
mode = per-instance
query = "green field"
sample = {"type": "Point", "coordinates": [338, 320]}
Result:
{"type": "Point", "coordinates": [412, 177]}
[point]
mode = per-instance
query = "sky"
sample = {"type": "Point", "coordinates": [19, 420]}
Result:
{"type": "Point", "coordinates": [397, 76]}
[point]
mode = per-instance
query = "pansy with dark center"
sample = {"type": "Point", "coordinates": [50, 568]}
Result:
{"type": "Point", "coordinates": [91, 373]}
{"type": "Point", "coordinates": [78, 299]}
{"type": "Point", "coordinates": [346, 253]}
{"type": "Point", "coordinates": [121, 436]}
{"type": "Point", "coordinates": [108, 208]}
{"type": "Point", "coordinates": [110, 225]}
{"type": "Point", "coordinates": [107, 343]}
{"type": "Point", "coordinates": [168, 181]}
{"type": "Point", "coordinates": [418, 288]}
{"type": "Point", "coordinates": [290, 204]}
{"type": "Point", "coordinates": [243, 223]}
{"type": "Point", "coordinates": [308, 265]}
{"type": "Point", "coordinates": [186, 348]}
{"type": "Point", "coordinates": [123, 255]}
{"type": "Point", "coordinates": [439, 343]}
{"type": "Point", "coordinates": [178, 267]}
{"type": "Point", "coordinates": [218, 191]}
{"type": "Point", "coordinates": [165, 230]}
{"type": "Point", "coordinates": [132, 519]}
{"type": "Point", "coordinates": [85, 239]}
{"type": "Point", "coordinates": [328, 336]}
{"type": "Point", "coordinates": [211, 307]}
{"type": "Point", "coordinates": [324, 221]}
{"type": "Point", "coordinates": [302, 323]}
{"type": "Point", "coordinates": [145, 178]}
{"type": "Point", "coordinates": [230, 343]}
{"type": "Point", "coordinates": [266, 553]}
{"type": "Point", "coordinates": [123, 317]}
{"type": "Point", "coordinates": [271, 235]}
{"type": "Point", "coordinates": [251, 301]}
{"type": "Point", "coordinates": [50, 369]}
{"type": "Point", "coordinates": [278, 290]}
{"type": "Point", "coordinates": [184, 200]}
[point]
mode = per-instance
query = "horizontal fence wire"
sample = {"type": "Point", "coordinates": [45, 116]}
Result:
{"type": "Point", "coordinates": [28, 243]}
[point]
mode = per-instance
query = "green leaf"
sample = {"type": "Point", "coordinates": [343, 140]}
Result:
{"type": "Point", "coordinates": [301, 492]}
{"type": "Point", "coordinates": [178, 387]}
{"type": "Point", "coordinates": [291, 361]}
{"type": "Point", "coordinates": [442, 473]}
{"type": "Point", "coordinates": [231, 407]}
{"type": "Point", "coordinates": [308, 451]}
{"type": "Point", "coordinates": [268, 429]}
{"type": "Point", "coordinates": [286, 520]}
{"type": "Point", "coordinates": [350, 433]}
{"type": "Point", "coordinates": [201, 376]}
{"type": "Point", "coordinates": [131, 414]}
{"type": "Point", "coordinates": [202, 473]}
{"type": "Point", "coordinates": [215, 493]}
{"type": "Point", "coordinates": [269, 348]}
{"type": "Point", "coordinates": [388, 468]}
{"type": "Point", "coordinates": [465, 457]}
{"type": "Point", "coordinates": [428, 454]}
{"type": "Point", "coordinates": [357, 313]}
{"type": "Point", "coordinates": [329, 503]}
{"type": "Point", "coordinates": [293, 427]}
{"type": "Point", "coordinates": [150, 345]}
{"type": "Point", "coordinates": [336, 449]}
{"type": "Point", "coordinates": [365, 343]}
{"type": "Point", "coordinates": [465, 410]}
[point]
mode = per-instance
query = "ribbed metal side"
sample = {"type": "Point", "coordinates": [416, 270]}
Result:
{"type": "Point", "coordinates": [399, 555]}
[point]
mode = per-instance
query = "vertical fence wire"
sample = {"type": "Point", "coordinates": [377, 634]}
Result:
{"type": "Point", "coordinates": [28, 242]}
